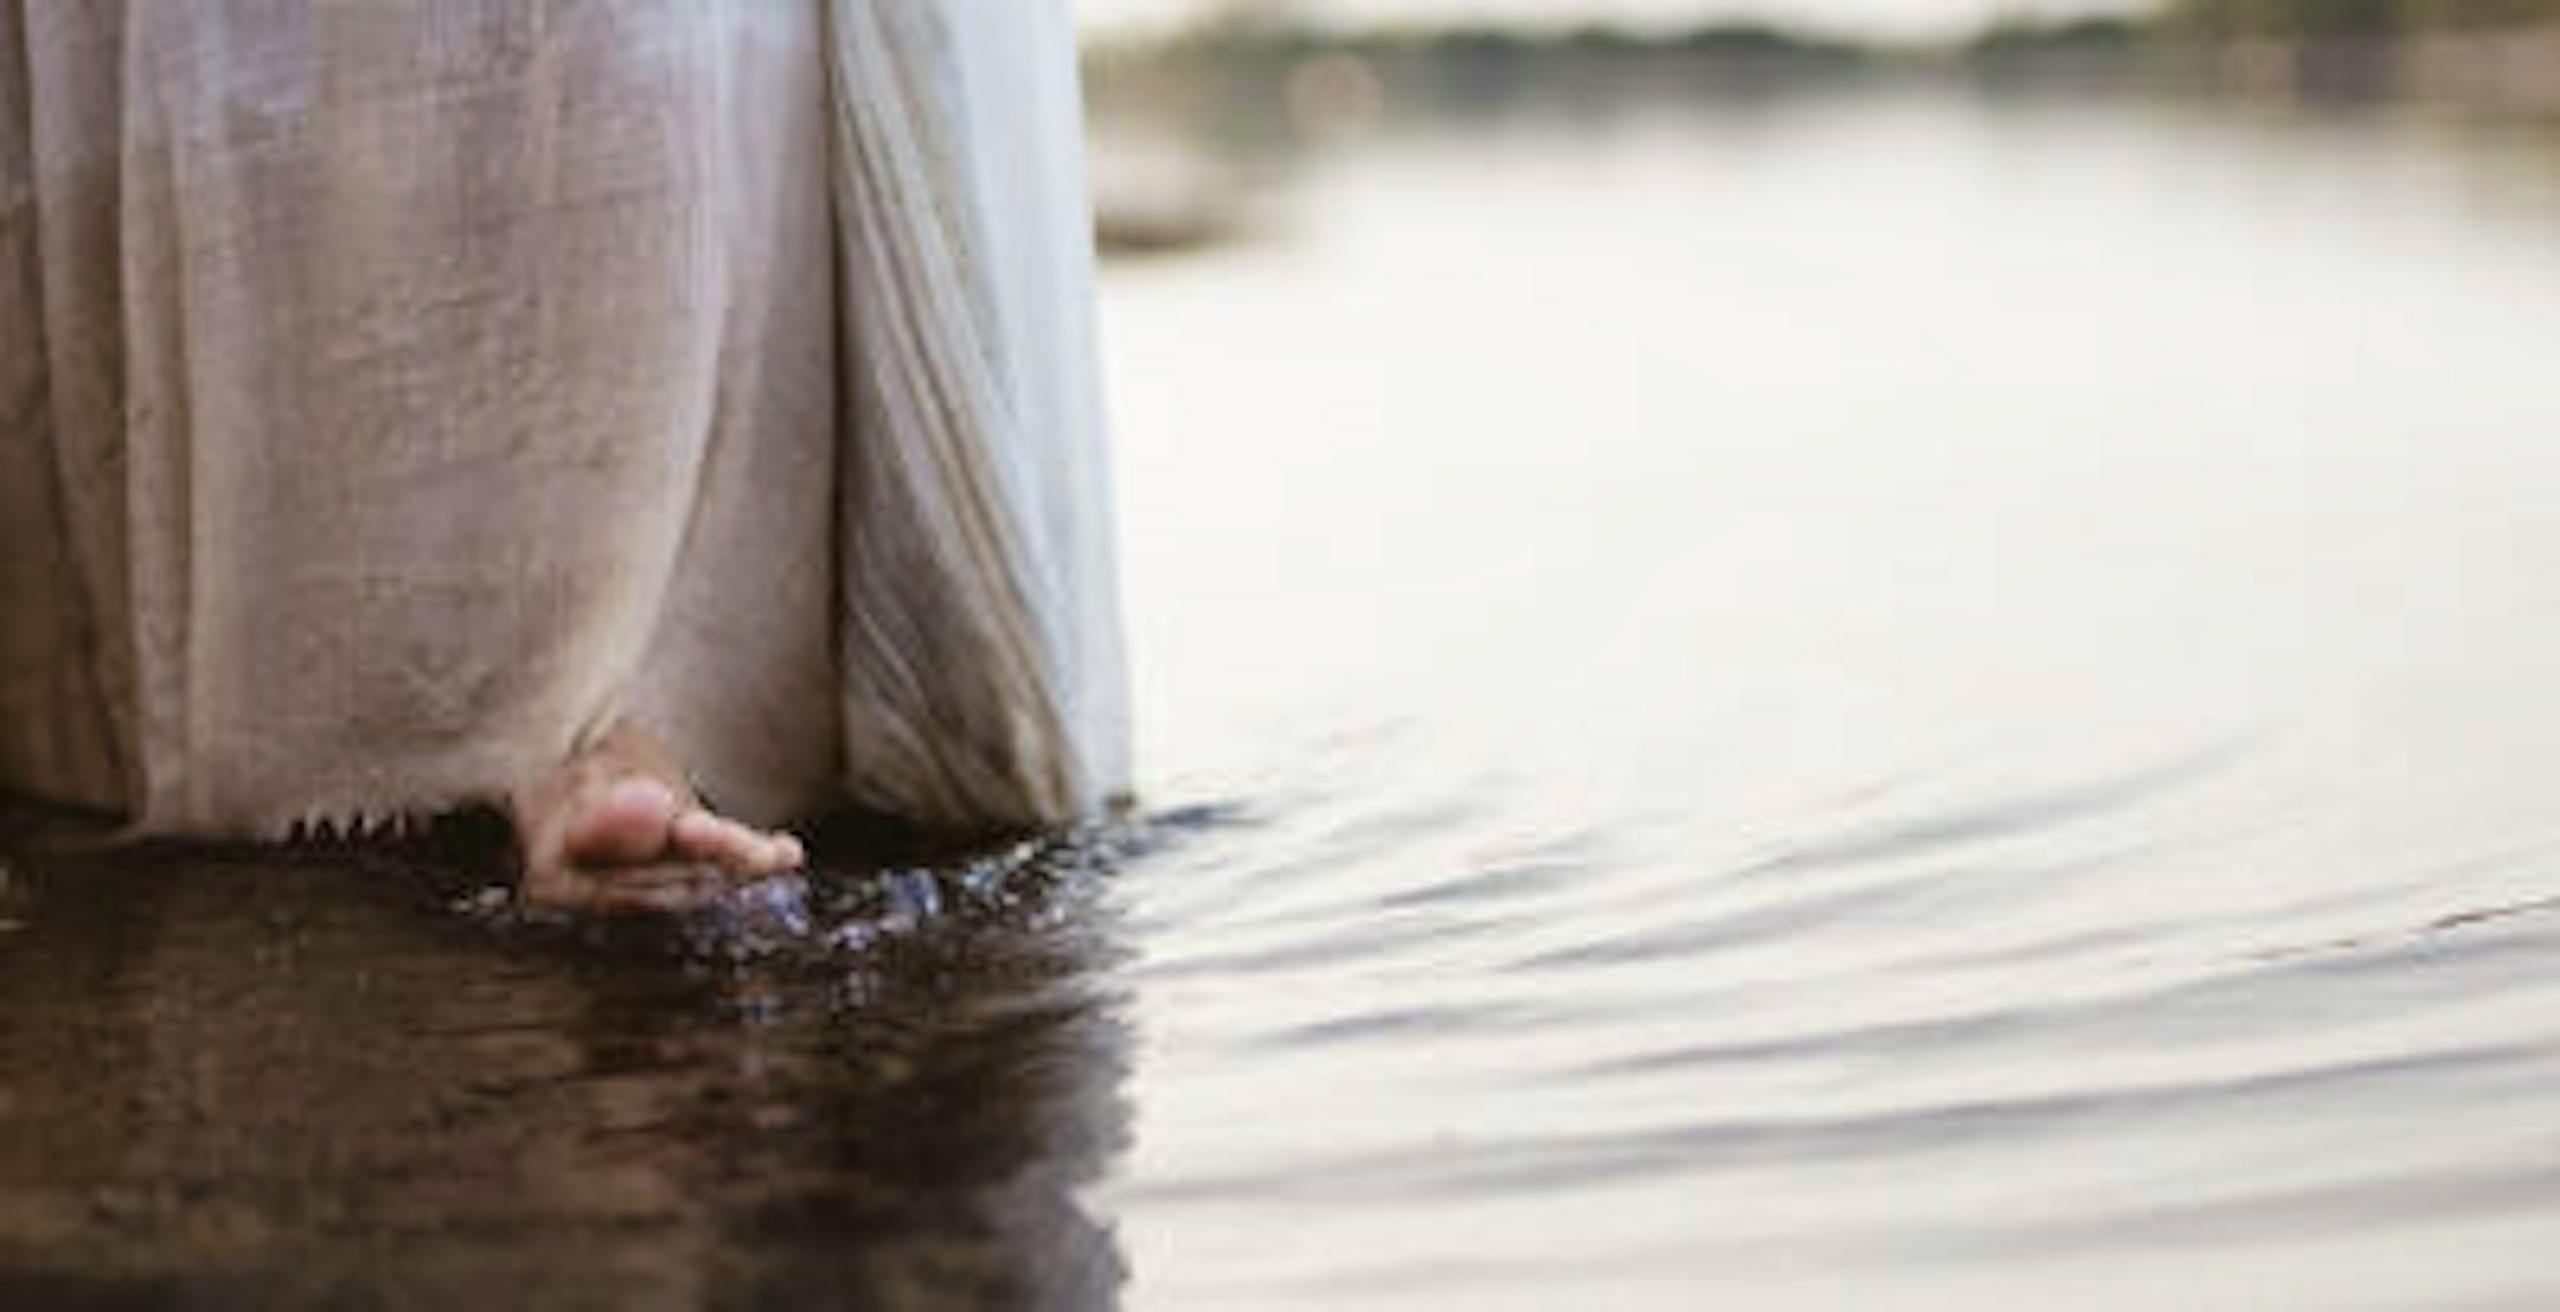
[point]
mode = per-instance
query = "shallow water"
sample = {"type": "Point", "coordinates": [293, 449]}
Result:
{"type": "Point", "coordinates": [243, 1079]}
{"type": "Point", "coordinates": [1890, 698]}
{"type": "Point", "coordinates": [1894, 699]}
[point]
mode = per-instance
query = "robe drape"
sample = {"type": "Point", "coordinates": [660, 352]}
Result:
{"type": "Point", "coordinates": [392, 394]}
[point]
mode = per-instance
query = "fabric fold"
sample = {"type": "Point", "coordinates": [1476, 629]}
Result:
{"type": "Point", "coordinates": [391, 394]}
{"type": "Point", "coordinates": [981, 644]}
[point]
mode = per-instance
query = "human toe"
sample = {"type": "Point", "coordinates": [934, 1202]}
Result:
{"type": "Point", "coordinates": [627, 822]}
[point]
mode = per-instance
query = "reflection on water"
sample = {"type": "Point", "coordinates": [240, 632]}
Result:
{"type": "Point", "coordinates": [267, 1081]}
{"type": "Point", "coordinates": [1870, 698]}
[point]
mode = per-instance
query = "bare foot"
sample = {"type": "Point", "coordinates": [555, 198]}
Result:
{"type": "Point", "coordinates": [616, 828]}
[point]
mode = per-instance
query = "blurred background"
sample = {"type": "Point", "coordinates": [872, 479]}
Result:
{"type": "Point", "coordinates": [1191, 96]}
{"type": "Point", "coordinates": [1843, 651]}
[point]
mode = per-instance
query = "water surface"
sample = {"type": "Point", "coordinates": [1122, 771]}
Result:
{"type": "Point", "coordinates": [1893, 698]}
{"type": "Point", "coordinates": [1883, 699]}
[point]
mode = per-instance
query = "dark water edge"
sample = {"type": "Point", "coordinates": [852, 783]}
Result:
{"type": "Point", "coordinates": [355, 1079]}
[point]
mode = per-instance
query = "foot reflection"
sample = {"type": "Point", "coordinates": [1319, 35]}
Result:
{"type": "Point", "coordinates": [284, 1079]}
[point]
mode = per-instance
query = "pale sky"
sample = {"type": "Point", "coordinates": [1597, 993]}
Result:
{"type": "Point", "coordinates": [1897, 18]}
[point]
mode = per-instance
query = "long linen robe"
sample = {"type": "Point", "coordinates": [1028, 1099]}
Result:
{"type": "Point", "coordinates": [394, 393]}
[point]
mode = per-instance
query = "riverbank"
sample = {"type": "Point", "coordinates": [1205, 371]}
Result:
{"type": "Point", "coordinates": [1320, 76]}
{"type": "Point", "coordinates": [1188, 128]}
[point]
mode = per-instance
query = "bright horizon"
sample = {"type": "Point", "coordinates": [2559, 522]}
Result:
{"type": "Point", "coordinates": [1904, 19]}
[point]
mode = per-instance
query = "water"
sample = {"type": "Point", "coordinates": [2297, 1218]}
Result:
{"type": "Point", "coordinates": [1891, 699]}
{"type": "Point", "coordinates": [1888, 699]}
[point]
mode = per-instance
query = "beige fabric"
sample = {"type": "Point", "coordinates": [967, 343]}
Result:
{"type": "Point", "coordinates": [392, 392]}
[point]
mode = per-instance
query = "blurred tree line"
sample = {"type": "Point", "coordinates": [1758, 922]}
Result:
{"type": "Point", "coordinates": [1257, 73]}
{"type": "Point", "coordinates": [2225, 19]}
